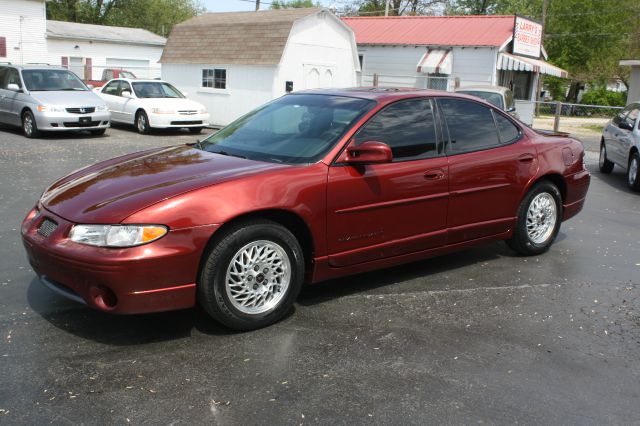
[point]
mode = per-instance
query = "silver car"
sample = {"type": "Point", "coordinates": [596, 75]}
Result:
{"type": "Point", "coordinates": [39, 98]}
{"type": "Point", "coordinates": [499, 96]}
{"type": "Point", "coordinates": [620, 144]}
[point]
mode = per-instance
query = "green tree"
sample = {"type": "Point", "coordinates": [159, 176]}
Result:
{"type": "Point", "coordinates": [158, 16]}
{"type": "Point", "coordinates": [291, 4]}
{"type": "Point", "coordinates": [397, 7]}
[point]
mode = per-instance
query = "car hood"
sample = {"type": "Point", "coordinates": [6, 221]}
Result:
{"type": "Point", "coordinates": [172, 103]}
{"type": "Point", "coordinates": [68, 98]}
{"type": "Point", "coordinates": [110, 191]}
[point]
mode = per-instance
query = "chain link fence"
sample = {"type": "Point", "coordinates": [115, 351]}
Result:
{"type": "Point", "coordinates": [584, 121]}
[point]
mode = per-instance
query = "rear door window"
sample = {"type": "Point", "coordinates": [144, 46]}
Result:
{"type": "Point", "coordinates": [471, 125]}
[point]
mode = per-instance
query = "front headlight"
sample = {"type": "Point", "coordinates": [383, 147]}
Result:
{"type": "Point", "coordinates": [116, 235]}
{"type": "Point", "coordinates": [162, 111]}
{"type": "Point", "coordinates": [50, 108]}
{"type": "Point", "coordinates": [101, 108]}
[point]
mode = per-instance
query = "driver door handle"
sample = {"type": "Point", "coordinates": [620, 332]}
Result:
{"type": "Point", "coordinates": [526, 158]}
{"type": "Point", "coordinates": [433, 174]}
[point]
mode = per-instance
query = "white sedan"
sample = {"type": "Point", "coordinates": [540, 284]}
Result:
{"type": "Point", "coordinates": [152, 104]}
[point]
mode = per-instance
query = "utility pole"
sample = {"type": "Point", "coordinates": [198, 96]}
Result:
{"type": "Point", "coordinates": [545, 6]}
{"type": "Point", "coordinates": [257, 5]}
{"type": "Point", "coordinates": [386, 8]}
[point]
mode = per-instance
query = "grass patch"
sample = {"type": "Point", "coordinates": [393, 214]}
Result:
{"type": "Point", "coordinates": [598, 128]}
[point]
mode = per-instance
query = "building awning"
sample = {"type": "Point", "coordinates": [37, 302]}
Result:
{"type": "Point", "coordinates": [435, 61]}
{"type": "Point", "coordinates": [509, 62]}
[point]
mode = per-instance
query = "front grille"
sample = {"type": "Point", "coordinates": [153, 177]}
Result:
{"type": "Point", "coordinates": [185, 123]}
{"type": "Point", "coordinates": [188, 112]}
{"type": "Point", "coordinates": [47, 227]}
{"type": "Point", "coordinates": [84, 124]}
{"type": "Point", "coordinates": [81, 110]}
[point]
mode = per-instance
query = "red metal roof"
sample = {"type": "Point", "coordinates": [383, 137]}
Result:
{"type": "Point", "coordinates": [472, 30]}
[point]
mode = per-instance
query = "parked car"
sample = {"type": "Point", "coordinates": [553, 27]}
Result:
{"type": "Point", "coordinates": [39, 98]}
{"type": "Point", "coordinates": [499, 96]}
{"type": "Point", "coordinates": [152, 104]}
{"type": "Point", "coordinates": [620, 144]}
{"type": "Point", "coordinates": [312, 186]}
{"type": "Point", "coordinates": [110, 74]}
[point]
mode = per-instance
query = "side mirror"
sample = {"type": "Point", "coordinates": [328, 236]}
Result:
{"type": "Point", "coordinates": [126, 94]}
{"type": "Point", "coordinates": [13, 87]}
{"type": "Point", "coordinates": [625, 125]}
{"type": "Point", "coordinates": [370, 152]}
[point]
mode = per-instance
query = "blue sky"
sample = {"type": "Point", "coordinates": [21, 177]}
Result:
{"type": "Point", "coordinates": [238, 5]}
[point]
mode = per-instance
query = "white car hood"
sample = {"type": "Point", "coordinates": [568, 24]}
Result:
{"type": "Point", "coordinates": [68, 98]}
{"type": "Point", "coordinates": [178, 104]}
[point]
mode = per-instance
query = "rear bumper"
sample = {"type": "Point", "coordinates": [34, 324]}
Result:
{"type": "Point", "coordinates": [155, 277]}
{"type": "Point", "coordinates": [577, 187]}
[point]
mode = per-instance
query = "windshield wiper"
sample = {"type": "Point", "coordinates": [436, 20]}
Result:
{"type": "Point", "coordinates": [228, 154]}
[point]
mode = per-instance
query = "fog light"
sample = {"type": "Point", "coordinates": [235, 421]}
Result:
{"type": "Point", "coordinates": [103, 297]}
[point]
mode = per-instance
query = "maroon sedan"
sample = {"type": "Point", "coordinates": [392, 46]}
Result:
{"type": "Point", "coordinates": [312, 186]}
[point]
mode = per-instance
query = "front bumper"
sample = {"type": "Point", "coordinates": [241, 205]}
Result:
{"type": "Point", "coordinates": [165, 121]}
{"type": "Point", "coordinates": [64, 121]}
{"type": "Point", "coordinates": [155, 277]}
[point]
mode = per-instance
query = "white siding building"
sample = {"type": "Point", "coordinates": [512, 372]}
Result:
{"type": "Point", "coordinates": [234, 62]}
{"type": "Point", "coordinates": [444, 52]}
{"type": "Point", "coordinates": [22, 31]}
{"type": "Point", "coordinates": [27, 37]}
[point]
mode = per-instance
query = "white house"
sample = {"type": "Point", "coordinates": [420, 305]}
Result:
{"type": "Point", "coordinates": [27, 37]}
{"type": "Point", "coordinates": [90, 49]}
{"type": "Point", "coordinates": [234, 62]}
{"type": "Point", "coordinates": [443, 52]}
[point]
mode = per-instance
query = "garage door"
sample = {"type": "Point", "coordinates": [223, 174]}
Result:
{"type": "Point", "coordinates": [137, 66]}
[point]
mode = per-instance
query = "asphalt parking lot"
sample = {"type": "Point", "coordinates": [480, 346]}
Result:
{"type": "Point", "coordinates": [480, 336]}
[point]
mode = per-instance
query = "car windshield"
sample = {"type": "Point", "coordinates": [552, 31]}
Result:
{"type": "Point", "coordinates": [126, 74]}
{"type": "Point", "coordinates": [491, 97]}
{"type": "Point", "coordinates": [293, 129]}
{"type": "Point", "coordinates": [155, 89]}
{"type": "Point", "coordinates": [52, 80]}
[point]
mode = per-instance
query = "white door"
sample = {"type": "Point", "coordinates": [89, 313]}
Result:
{"type": "Point", "coordinates": [76, 66]}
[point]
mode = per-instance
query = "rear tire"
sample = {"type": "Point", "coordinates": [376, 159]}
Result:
{"type": "Point", "coordinates": [142, 123]}
{"type": "Point", "coordinates": [606, 166]}
{"type": "Point", "coordinates": [252, 275]}
{"type": "Point", "coordinates": [195, 130]}
{"type": "Point", "coordinates": [29, 125]}
{"type": "Point", "coordinates": [539, 216]}
{"type": "Point", "coordinates": [633, 172]}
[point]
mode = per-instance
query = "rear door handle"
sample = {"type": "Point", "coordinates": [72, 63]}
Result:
{"type": "Point", "coordinates": [433, 174]}
{"type": "Point", "coordinates": [526, 158]}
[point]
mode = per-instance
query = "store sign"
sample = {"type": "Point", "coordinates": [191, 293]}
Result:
{"type": "Point", "coordinates": [527, 37]}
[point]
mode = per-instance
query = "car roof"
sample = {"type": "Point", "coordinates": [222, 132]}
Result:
{"type": "Point", "coordinates": [485, 88]}
{"type": "Point", "coordinates": [376, 93]}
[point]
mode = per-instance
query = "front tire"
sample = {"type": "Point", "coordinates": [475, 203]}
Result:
{"type": "Point", "coordinates": [539, 216]}
{"type": "Point", "coordinates": [29, 125]}
{"type": "Point", "coordinates": [633, 172]}
{"type": "Point", "coordinates": [252, 276]}
{"type": "Point", "coordinates": [142, 123]}
{"type": "Point", "coordinates": [605, 165]}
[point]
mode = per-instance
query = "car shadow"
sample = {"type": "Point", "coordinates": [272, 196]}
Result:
{"type": "Point", "coordinates": [70, 134]}
{"type": "Point", "coordinates": [119, 330]}
{"type": "Point", "coordinates": [341, 287]}
{"type": "Point", "coordinates": [165, 132]}
{"type": "Point", "coordinates": [617, 179]}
